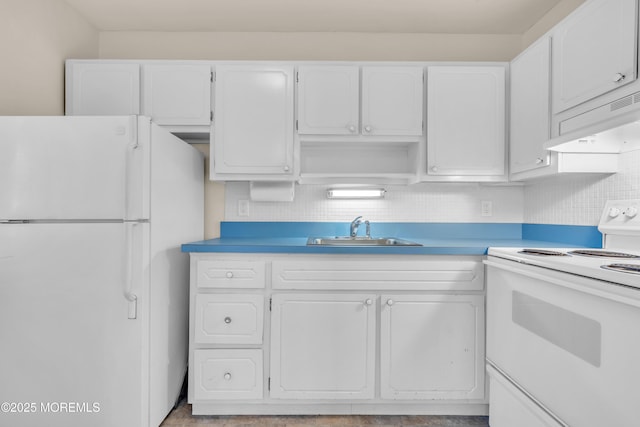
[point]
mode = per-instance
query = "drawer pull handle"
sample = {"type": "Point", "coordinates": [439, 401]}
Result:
{"type": "Point", "coordinates": [227, 320]}
{"type": "Point", "coordinates": [229, 274]}
{"type": "Point", "coordinates": [227, 376]}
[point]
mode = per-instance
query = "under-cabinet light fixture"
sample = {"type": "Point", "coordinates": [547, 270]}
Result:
{"type": "Point", "coordinates": [356, 193]}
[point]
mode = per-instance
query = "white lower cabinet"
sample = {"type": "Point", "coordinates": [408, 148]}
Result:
{"type": "Point", "coordinates": [432, 347]}
{"type": "Point", "coordinates": [323, 346]}
{"type": "Point", "coordinates": [337, 334]}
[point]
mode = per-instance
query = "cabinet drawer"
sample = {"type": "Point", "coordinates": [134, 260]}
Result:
{"type": "Point", "coordinates": [227, 374]}
{"type": "Point", "coordinates": [229, 319]}
{"type": "Point", "coordinates": [433, 273]}
{"type": "Point", "coordinates": [214, 273]}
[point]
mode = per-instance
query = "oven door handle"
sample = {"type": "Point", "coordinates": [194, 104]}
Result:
{"type": "Point", "coordinates": [494, 371]}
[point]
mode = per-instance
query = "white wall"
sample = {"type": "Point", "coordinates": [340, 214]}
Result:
{"type": "Point", "coordinates": [555, 15]}
{"type": "Point", "coordinates": [309, 46]}
{"type": "Point", "coordinates": [579, 200]}
{"type": "Point", "coordinates": [36, 36]}
{"type": "Point", "coordinates": [574, 200]}
{"type": "Point", "coordinates": [317, 46]}
{"type": "Point", "coordinates": [425, 202]}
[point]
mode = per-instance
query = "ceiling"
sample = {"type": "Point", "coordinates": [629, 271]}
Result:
{"type": "Point", "coordinates": [379, 16]}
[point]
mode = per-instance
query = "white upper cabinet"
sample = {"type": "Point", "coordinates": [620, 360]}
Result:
{"type": "Point", "coordinates": [95, 89]}
{"type": "Point", "coordinates": [172, 93]}
{"type": "Point", "coordinates": [332, 99]}
{"type": "Point", "coordinates": [253, 121]}
{"type": "Point", "coordinates": [594, 52]}
{"type": "Point", "coordinates": [530, 107]}
{"type": "Point", "coordinates": [392, 100]}
{"type": "Point", "coordinates": [328, 100]}
{"type": "Point", "coordinates": [177, 94]}
{"type": "Point", "coordinates": [466, 121]}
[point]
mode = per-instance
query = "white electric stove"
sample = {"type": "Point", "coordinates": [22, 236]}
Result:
{"type": "Point", "coordinates": [618, 261]}
{"type": "Point", "coordinates": [563, 330]}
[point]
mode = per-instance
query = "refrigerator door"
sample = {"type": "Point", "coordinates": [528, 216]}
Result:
{"type": "Point", "coordinates": [71, 356]}
{"type": "Point", "coordinates": [68, 168]}
{"type": "Point", "coordinates": [177, 216]}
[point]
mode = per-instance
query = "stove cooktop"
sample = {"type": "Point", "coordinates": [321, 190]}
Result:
{"type": "Point", "coordinates": [619, 260]}
{"type": "Point", "coordinates": [605, 266]}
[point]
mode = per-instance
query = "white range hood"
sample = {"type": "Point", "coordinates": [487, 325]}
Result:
{"type": "Point", "coordinates": [611, 128]}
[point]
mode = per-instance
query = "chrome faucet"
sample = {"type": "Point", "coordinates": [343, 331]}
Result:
{"type": "Point", "coordinates": [353, 229]}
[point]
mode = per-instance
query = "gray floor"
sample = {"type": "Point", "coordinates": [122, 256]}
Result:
{"type": "Point", "coordinates": [182, 417]}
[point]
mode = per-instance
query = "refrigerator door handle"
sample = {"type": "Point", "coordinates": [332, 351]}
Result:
{"type": "Point", "coordinates": [128, 271]}
{"type": "Point", "coordinates": [136, 168]}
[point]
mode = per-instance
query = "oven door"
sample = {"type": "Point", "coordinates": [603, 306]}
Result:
{"type": "Point", "coordinates": [571, 343]}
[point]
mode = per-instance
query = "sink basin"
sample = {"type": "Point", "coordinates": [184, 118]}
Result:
{"type": "Point", "coordinates": [359, 241]}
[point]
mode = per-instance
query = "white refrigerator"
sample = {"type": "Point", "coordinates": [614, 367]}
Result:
{"type": "Point", "coordinates": [93, 285]}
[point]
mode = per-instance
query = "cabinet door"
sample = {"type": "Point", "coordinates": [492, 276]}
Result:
{"type": "Point", "coordinates": [594, 51]}
{"type": "Point", "coordinates": [253, 122]}
{"type": "Point", "coordinates": [323, 346]}
{"type": "Point", "coordinates": [392, 99]}
{"type": "Point", "coordinates": [96, 89]}
{"type": "Point", "coordinates": [177, 94]}
{"type": "Point", "coordinates": [328, 100]}
{"type": "Point", "coordinates": [432, 347]}
{"type": "Point", "coordinates": [530, 107]}
{"type": "Point", "coordinates": [466, 121]}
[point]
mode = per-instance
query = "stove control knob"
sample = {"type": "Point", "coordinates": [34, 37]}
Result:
{"type": "Point", "coordinates": [614, 212]}
{"type": "Point", "coordinates": [631, 212]}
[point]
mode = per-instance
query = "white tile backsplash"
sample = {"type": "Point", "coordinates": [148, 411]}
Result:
{"type": "Point", "coordinates": [575, 200]}
{"type": "Point", "coordinates": [580, 200]}
{"type": "Point", "coordinates": [425, 202]}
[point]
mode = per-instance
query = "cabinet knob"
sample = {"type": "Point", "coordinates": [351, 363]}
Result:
{"type": "Point", "coordinates": [229, 274]}
{"type": "Point", "coordinates": [618, 77]}
{"type": "Point", "coordinates": [227, 376]}
{"type": "Point", "coordinates": [286, 168]}
{"type": "Point", "coordinates": [390, 302]}
{"type": "Point", "coordinates": [434, 169]}
{"type": "Point", "coordinates": [351, 128]}
{"type": "Point", "coordinates": [227, 320]}
{"type": "Point", "coordinates": [368, 301]}
{"type": "Point", "coordinates": [367, 129]}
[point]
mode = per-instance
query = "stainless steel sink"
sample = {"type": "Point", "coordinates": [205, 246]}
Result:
{"type": "Point", "coordinates": [359, 241]}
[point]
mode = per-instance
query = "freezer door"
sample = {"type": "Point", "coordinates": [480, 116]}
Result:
{"type": "Point", "coordinates": [69, 349]}
{"type": "Point", "coordinates": [67, 168]}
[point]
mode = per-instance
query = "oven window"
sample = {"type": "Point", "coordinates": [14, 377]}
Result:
{"type": "Point", "coordinates": [575, 333]}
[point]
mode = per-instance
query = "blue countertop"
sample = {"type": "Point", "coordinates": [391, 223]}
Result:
{"type": "Point", "coordinates": [436, 238]}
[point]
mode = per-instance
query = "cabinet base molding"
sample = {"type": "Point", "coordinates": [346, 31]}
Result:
{"type": "Point", "coordinates": [370, 408]}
